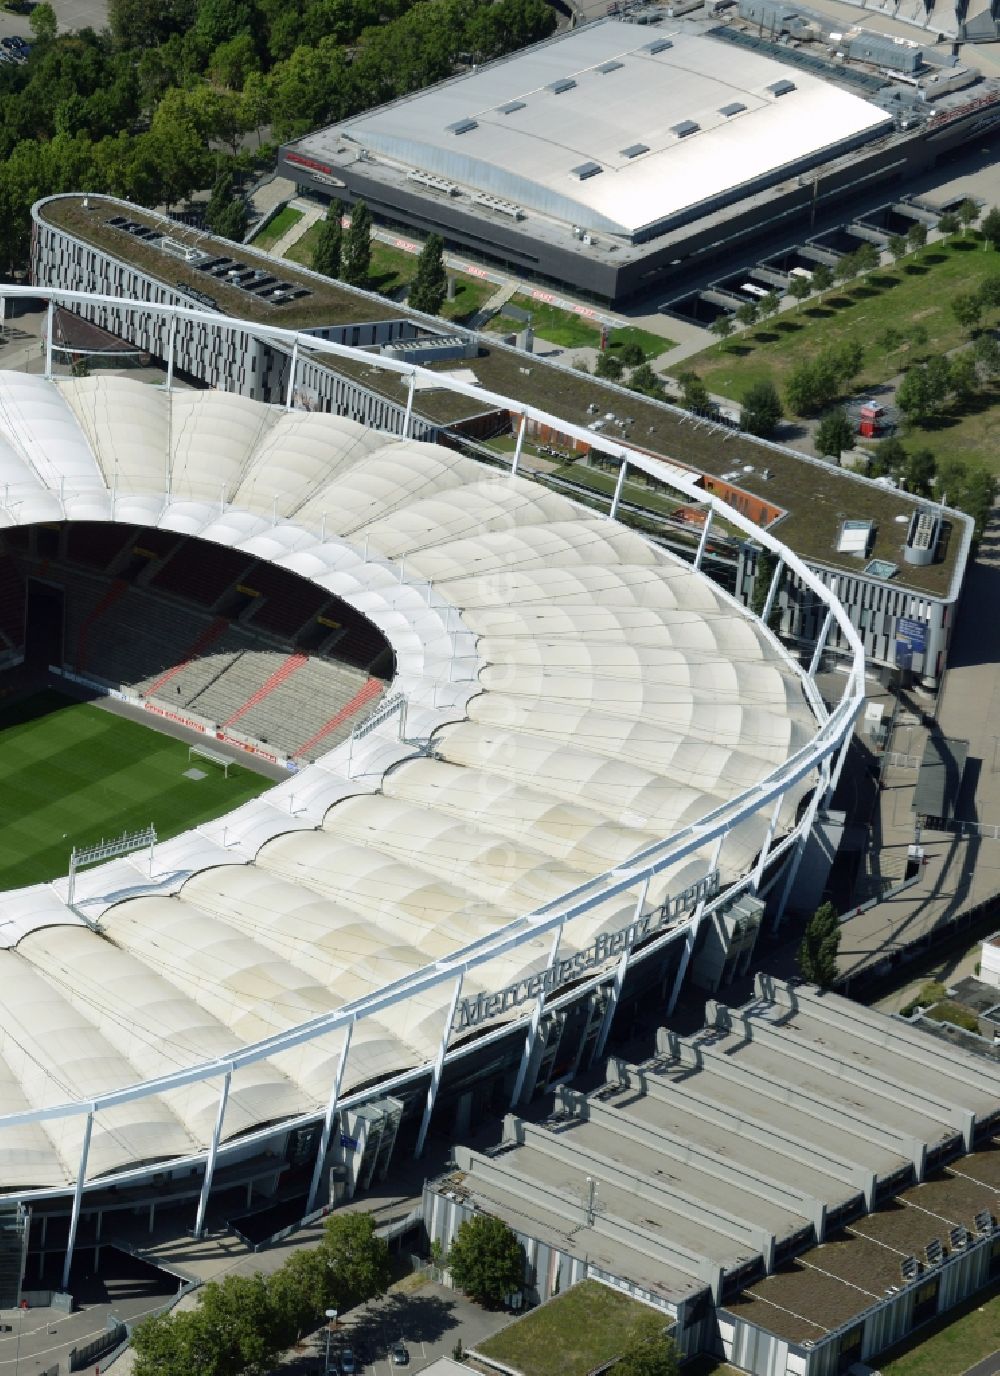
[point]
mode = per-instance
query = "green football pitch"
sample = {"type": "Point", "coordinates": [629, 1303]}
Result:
{"type": "Point", "coordinates": [72, 774]}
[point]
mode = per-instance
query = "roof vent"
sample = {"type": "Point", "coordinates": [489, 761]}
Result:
{"type": "Point", "coordinates": [736, 108]}
{"type": "Point", "coordinates": [606, 67]}
{"type": "Point", "coordinates": [658, 45]}
{"type": "Point", "coordinates": [511, 106]}
{"type": "Point", "coordinates": [462, 126]}
{"type": "Point", "coordinates": [586, 170]}
{"type": "Point", "coordinates": [634, 149]}
{"type": "Point", "coordinates": [781, 88]}
{"type": "Point", "coordinates": [565, 83]}
{"type": "Point", "coordinates": [686, 127]}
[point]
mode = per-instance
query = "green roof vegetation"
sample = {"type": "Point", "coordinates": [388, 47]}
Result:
{"type": "Point", "coordinates": [570, 1335]}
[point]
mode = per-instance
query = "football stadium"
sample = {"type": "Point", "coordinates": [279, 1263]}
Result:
{"type": "Point", "coordinates": [483, 770]}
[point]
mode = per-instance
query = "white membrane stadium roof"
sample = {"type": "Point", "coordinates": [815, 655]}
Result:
{"type": "Point", "coordinates": [506, 132]}
{"type": "Point", "coordinates": [583, 694]}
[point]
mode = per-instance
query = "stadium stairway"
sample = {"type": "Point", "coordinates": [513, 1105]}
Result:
{"type": "Point", "coordinates": [212, 632]}
{"type": "Point", "coordinates": [329, 733]}
{"type": "Point", "coordinates": [114, 593]}
{"type": "Point", "coordinates": [284, 671]}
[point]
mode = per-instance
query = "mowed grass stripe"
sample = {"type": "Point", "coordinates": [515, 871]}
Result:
{"type": "Point", "coordinates": [72, 774]}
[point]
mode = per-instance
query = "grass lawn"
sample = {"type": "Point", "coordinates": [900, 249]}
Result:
{"type": "Point", "coordinates": [303, 249]}
{"type": "Point", "coordinates": [918, 290]}
{"type": "Point", "coordinates": [971, 435]}
{"type": "Point", "coordinates": [577, 1331]}
{"type": "Point", "coordinates": [572, 331]}
{"type": "Point", "coordinates": [951, 1344]}
{"type": "Point", "coordinates": [281, 224]}
{"type": "Point", "coordinates": [72, 774]}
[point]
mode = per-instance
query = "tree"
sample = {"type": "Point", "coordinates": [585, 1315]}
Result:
{"type": "Point", "coordinates": [986, 356]}
{"type": "Point", "coordinates": [913, 395]}
{"type": "Point", "coordinates": [356, 1260]}
{"type": "Point", "coordinates": [695, 393]}
{"type": "Point", "coordinates": [990, 227]}
{"type": "Point", "coordinates": [947, 223]}
{"type": "Point", "coordinates": [769, 305]}
{"type": "Point", "coordinates": [722, 327]}
{"type": "Point", "coordinates": [890, 340]}
{"type": "Point", "coordinates": [643, 379]}
{"type": "Point", "coordinates": [817, 956]}
{"type": "Point", "coordinates": [916, 236]}
{"type": "Point", "coordinates": [608, 365]}
{"type": "Point", "coordinates": [226, 213]}
{"type": "Point", "coordinates": [963, 377]}
{"type": "Point", "coordinates": [631, 354]}
{"type": "Point", "coordinates": [989, 293]}
{"type": "Point", "coordinates": [746, 315]}
{"type": "Point", "coordinates": [799, 287]}
{"type": "Point", "coordinates": [328, 249]}
{"type": "Point", "coordinates": [834, 434]}
{"type": "Point", "coordinates": [919, 472]}
{"type": "Point", "coordinates": [822, 278]}
{"type": "Point", "coordinates": [238, 1324]}
{"type": "Point", "coordinates": [486, 1260]}
{"type": "Point", "coordinates": [967, 308]}
{"type": "Point", "coordinates": [43, 23]}
{"type": "Point", "coordinates": [845, 360]}
{"type": "Point", "coordinates": [968, 213]}
{"type": "Point", "coordinates": [897, 247]}
{"type": "Point", "coordinates": [298, 1293]}
{"type": "Point", "coordinates": [761, 409]}
{"type": "Point", "coordinates": [430, 285]}
{"type": "Point", "coordinates": [847, 268]}
{"type": "Point", "coordinates": [357, 251]}
{"type": "Point", "coordinates": [867, 257]}
{"type": "Point", "coordinates": [890, 459]}
{"type": "Point", "coordinates": [648, 1350]}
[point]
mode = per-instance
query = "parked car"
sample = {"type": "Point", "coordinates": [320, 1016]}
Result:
{"type": "Point", "coordinates": [9, 43]}
{"type": "Point", "coordinates": [400, 1355]}
{"type": "Point", "coordinates": [348, 1365]}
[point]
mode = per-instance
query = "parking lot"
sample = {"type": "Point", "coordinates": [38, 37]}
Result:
{"type": "Point", "coordinates": [429, 1319]}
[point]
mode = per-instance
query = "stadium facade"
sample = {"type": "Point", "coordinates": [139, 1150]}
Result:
{"type": "Point", "coordinates": [895, 563]}
{"type": "Point", "coordinates": [615, 157]}
{"type": "Point", "coordinates": [592, 775]}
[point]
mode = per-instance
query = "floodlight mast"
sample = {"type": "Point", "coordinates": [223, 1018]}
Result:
{"type": "Point", "coordinates": [126, 844]}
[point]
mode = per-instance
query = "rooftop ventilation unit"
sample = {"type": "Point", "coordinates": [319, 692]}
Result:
{"type": "Point", "coordinates": [606, 67]}
{"type": "Point", "coordinates": [934, 1252]}
{"type": "Point", "coordinates": [909, 1269]}
{"type": "Point", "coordinates": [781, 88]}
{"type": "Point", "coordinates": [634, 149]}
{"type": "Point", "coordinates": [462, 126]}
{"type": "Point", "coordinates": [586, 170]}
{"type": "Point", "coordinates": [958, 1237]}
{"type": "Point", "coordinates": [922, 536]}
{"type": "Point", "coordinates": [502, 207]}
{"type": "Point", "coordinates": [686, 127]}
{"type": "Point", "coordinates": [511, 106]}
{"type": "Point", "coordinates": [984, 1222]}
{"type": "Point", "coordinates": [565, 83]}
{"type": "Point", "coordinates": [186, 252]}
{"type": "Point", "coordinates": [736, 108]}
{"type": "Point", "coordinates": [658, 45]}
{"type": "Point", "coordinates": [856, 537]}
{"type": "Point", "coordinates": [435, 183]}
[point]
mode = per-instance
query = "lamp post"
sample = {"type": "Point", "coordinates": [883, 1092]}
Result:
{"type": "Point", "coordinates": [331, 1315]}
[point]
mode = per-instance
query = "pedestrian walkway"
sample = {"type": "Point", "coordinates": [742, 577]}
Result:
{"type": "Point", "coordinates": [310, 215]}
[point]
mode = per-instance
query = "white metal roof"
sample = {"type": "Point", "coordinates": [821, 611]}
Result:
{"type": "Point", "coordinates": [580, 693]}
{"type": "Point", "coordinates": [621, 97]}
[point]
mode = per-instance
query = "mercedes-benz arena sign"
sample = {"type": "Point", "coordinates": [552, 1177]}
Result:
{"type": "Point", "coordinates": [593, 746]}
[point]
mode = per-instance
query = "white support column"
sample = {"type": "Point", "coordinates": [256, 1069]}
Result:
{"type": "Point", "coordinates": [536, 1016]}
{"type": "Point", "coordinates": [613, 510]}
{"type": "Point", "coordinates": [408, 413]}
{"type": "Point", "coordinates": [519, 444]}
{"type": "Point", "coordinates": [619, 979]}
{"type": "Point", "coordinates": [765, 850]}
{"type": "Point", "coordinates": [692, 932]}
{"type": "Point", "coordinates": [171, 340]}
{"type": "Point", "coordinates": [74, 1221]}
{"type": "Point", "coordinates": [213, 1151]}
{"type": "Point", "coordinates": [436, 1073]}
{"type": "Point", "coordinates": [842, 754]}
{"type": "Point", "coordinates": [824, 632]}
{"type": "Point", "coordinates": [702, 543]}
{"type": "Point", "coordinates": [799, 848]}
{"type": "Point", "coordinates": [331, 1111]}
{"type": "Point", "coordinates": [49, 320]}
{"type": "Point", "coordinates": [772, 592]}
{"type": "Point", "coordinates": [291, 376]}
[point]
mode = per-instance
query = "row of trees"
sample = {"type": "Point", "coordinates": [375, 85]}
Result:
{"type": "Point", "coordinates": [243, 1323]}
{"type": "Point", "coordinates": [143, 111]}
